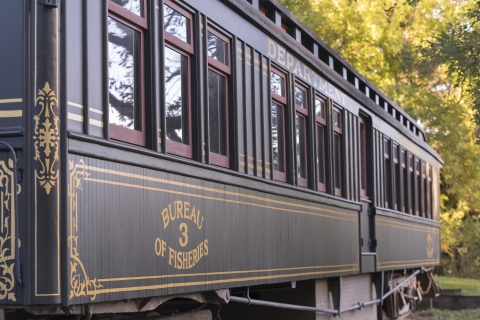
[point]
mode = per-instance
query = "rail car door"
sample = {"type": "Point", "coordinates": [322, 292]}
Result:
{"type": "Point", "coordinates": [367, 239]}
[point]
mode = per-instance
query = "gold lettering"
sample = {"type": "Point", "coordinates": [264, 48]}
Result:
{"type": "Point", "coordinates": [281, 56]}
{"type": "Point", "coordinates": [200, 249]}
{"type": "Point", "coordinates": [172, 217]}
{"type": "Point", "coordinates": [338, 95]}
{"type": "Point", "coordinates": [186, 207]}
{"type": "Point", "coordinates": [158, 246]}
{"type": "Point", "coordinates": [171, 255]}
{"type": "Point", "coordinates": [193, 215]}
{"type": "Point", "coordinates": [165, 217]}
{"type": "Point", "coordinates": [315, 77]}
{"type": "Point", "coordinates": [323, 85]}
{"type": "Point", "coordinates": [179, 261]}
{"type": "Point", "coordinates": [164, 248]}
{"type": "Point", "coordinates": [306, 73]}
{"type": "Point", "coordinates": [195, 254]}
{"type": "Point", "coordinates": [289, 60]}
{"type": "Point", "coordinates": [184, 260]}
{"type": "Point", "coordinates": [179, 208]}
{"type": "Point", "coordinates": [272, 49]}
{"type": "Point", "coordinates": [184, 241]}
{"type": "Point", "coordinates": [199, 225]}
{"type": "Point", "coordinates": [298, 70]}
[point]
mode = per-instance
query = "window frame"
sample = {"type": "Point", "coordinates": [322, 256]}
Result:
{"type": "Point", "coordinates": [187, 50]}
{"type": "Point", "coordinates": [139, 24]}
{"type": "Point", "coordinates": [362, 122]}
{"type": "Point", "coordinates": [280, 101]}
{"type": "Point", "coordinates": [396, 177]}
{"type": "Point", "coordinates": [321, 122]}
{"type": "Point", "coordinates": [404, 177]}
{"type": "Point", "coordinates": [411, 183]}
{"type": "Point", "coordinates": [170, 38]}
{"type": "Point", "coordinates": [387, 179]}
{"type": "Point", "coordinates": [430, 192]}
{"type": "Point", "coordinates": [225, 71]}
{"type": "Point", "coordinates": [302, 112]}
{"type": "Point", "coordinates": [337, 158]}
{"type": "Point", "coordinates": [418, 186]}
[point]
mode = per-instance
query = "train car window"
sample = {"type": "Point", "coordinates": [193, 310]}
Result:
{"type": "Point", "coordinates": [135, 6]}
{"type": "Point", "coordinates": [126, 29]}
{"type": "Point", "coordinates": [418, 187]}
{"type": "Point", "coordinates": [404, 177]}
{"type": "Point", "coordinates": [363, 157]}
{"type": "Point", "coordinates": [218, 51]}
{"type": "Point", "coordinates": [411, 186]}
{"type": "Point", "coordinates": [278, 86]}
{"type": "Point", "coordinates": [430, 193]}
{"type": "Point", "coordinates": [337, 151]}
{"type": "Point", "coordinates": [423, 191]}
{"type": "Point", "coordinates": [396, 179]}
{"type": "Point", "coordinates": [386, 173]}
{"type": "Point", "coordinates": [301, 120]}
{"type": "Point", "coordinates": [178, 31]}
{"type": "Point", "coordinates": [279, 102]}
{"type": "Point", "coordinates": [321, 124]}
{"type": "Point", "coordinates": [178, 26]}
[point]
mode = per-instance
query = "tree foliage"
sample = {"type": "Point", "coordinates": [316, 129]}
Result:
{"type": "Point", "coordinates": [424, 55]}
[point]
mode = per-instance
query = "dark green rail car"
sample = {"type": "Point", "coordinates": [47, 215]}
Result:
{"type": "Point", "coordinates": [229, 149]}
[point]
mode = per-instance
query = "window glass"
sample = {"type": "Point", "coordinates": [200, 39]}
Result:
{"type": "Point", "coordinates": [277, 84]}
{"type": "Point", "coordinates": [387, 182]}
{"type": "Point", "coordinates": [321, 157]}
{"type": "Point", "coordinates": [363, 156]}
{"type": "Point", "coordinates": [300, 97]}
{"type": "Point", "coordinates": [337, 119]}
{"type": "Point", "coordinates": [135, 6]}
{"type": "Point", "coordinates": [337, 165]}
{"type": "Point", "coordinates": [396, 179]}
{"type": "Point", "coordinates": [405, 181]}
{"type": "Point", "coordinates": [176, 96]}
{"type": "Point", "coordinates": [320, 108]}
{"type": "Point", "coordinates": [278, 142]}
{"type": "Point", "coordinates": [217, 48]}
{"type": "Point", "coordinates": [301, 146]}
{"type": "Point", "coordinates": [123, 77]}
{"type": "Point", "coordinates": [217, 112]}
{"type": "Point", "coordinates": [176, 24]}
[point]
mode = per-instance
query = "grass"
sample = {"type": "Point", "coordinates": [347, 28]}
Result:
{"type": "Point", "coordinates": [448, 315]}
{"type": "Point", "coordinates": [468, 286]}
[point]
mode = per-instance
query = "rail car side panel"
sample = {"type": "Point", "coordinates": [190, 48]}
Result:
{"type": "Point", "coordinates": [406, 242]}
{"type": "Point", "coordinates": [136, 232]}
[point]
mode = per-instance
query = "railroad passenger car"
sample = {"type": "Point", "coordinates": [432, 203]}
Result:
{"type": "Point", "coordinates": [180, 158]}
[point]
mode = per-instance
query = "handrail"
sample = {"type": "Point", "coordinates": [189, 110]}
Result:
{"type": "Point", "coordinates": [358, 306]}
{"type": "Point", "coordinates": [15, 203]}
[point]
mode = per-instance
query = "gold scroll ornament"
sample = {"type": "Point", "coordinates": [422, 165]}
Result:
{"type": "Point", "coordinates": [7, 231]}
{"type": "Point", "coordinates": [80, 282]}
{"type": "Point", "coordinates": [46, 138]}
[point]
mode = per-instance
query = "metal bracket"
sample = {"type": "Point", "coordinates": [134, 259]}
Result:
{"type": "Point", "coordinates": [19, 175]}
{"type": "Point", "coordinates": [50, 3]}
{"type": "Point", "coordinates": [371, 211]}
{"type": "Point", "coordinates": [372, 243]}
